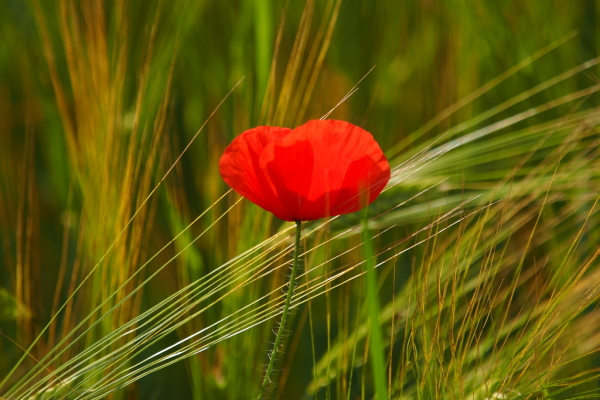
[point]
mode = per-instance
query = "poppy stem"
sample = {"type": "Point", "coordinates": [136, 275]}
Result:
{"type": "Point", "coordinates": [284, 315]}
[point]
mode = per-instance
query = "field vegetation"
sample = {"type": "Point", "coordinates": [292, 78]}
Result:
{"type": "Point", "coordinates": [129, 270]}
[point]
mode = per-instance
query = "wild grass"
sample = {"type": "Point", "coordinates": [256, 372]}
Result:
{"type": "Point", "coordinates": [129, 270]}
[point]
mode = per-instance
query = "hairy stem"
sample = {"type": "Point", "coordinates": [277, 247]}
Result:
{"type": "Point", "coordinates": [284, 315]}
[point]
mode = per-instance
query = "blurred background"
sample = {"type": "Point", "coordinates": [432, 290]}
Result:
{"type": "Point", "coordinates": [103, 162]}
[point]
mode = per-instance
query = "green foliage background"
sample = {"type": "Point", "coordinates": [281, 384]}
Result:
{"type": "Point", "coordinates": [111, 129]}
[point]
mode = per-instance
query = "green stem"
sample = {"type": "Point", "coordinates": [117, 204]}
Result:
{"type": "Point", "coordinates": [263, 34]}
{"type": "Point", "coordinates": [284, 315]}
{"type": "Point", "coordinates": [376, 337]}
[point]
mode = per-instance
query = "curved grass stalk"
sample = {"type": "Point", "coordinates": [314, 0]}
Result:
{"type": "Point", "coordinates": [201, 284]}
{"type": "Point", "coordinates": [214, 274]}
{"type": "Point", "coordinates": [71, 378]}
{"type": "Point", "coordinates": [193, 348]}
{"type": "Point", "coordinates": [434, 153]}
{"type": "Point", "coordinates": [122, 329]}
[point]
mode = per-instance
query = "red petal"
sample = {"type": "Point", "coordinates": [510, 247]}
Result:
{"type": "Point", "coordinates": [288, 166]}
{"type": "Point", "coordinates": [324, 168]}
{"type": "Point", "coordinates": [239, 167]}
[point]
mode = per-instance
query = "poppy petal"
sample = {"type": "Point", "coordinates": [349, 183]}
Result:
{"type": "Point", "coordinates": [288, 166]}
{"type": "Point", "coordinates": [325, 168]}
{"type": "Point", "coordinates": [239, 166]}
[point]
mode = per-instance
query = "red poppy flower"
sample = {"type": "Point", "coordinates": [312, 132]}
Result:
{"type": "Point", "coordinates": [322, 168]}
